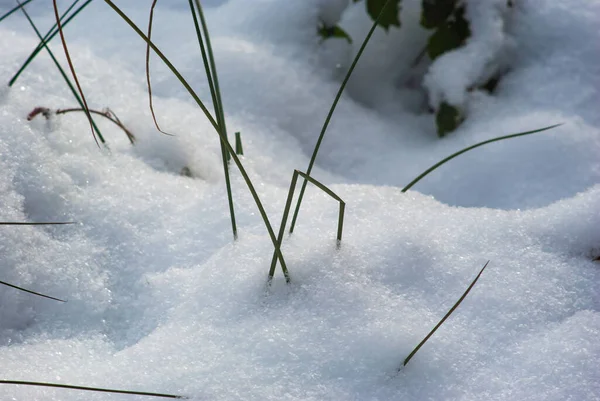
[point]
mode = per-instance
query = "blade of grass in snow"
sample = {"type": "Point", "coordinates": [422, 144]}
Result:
{"type": "Point", "coordinates": [460, 152]}
{"type": "Point", "coordinates": [212, 121]}
{"type": "Point", "coordinates": [19, 223]}
{"type": "Point", "coordinates": [12, 10]}
{"type": "Point", "coordinates": [238, 144]}
{"type": "Point", "coordinates": [30, 292]}
{"type": "Point", "coordinates": [288, 205]}
{"type": "Point", "coordinates": [437, 326]}
{"type": "Point", "coordinates": [109, 115]}
{"type": "Point", "coordinates": [65, 77]}
{"type": "Point", "coordinates": [52, 32]}
{"type": "Point", "coordinates": [72, 68]}
{"type": "Point", "coordinates": [96, 389]}
{"type": "Point", "coordinates": [332, 109]}
{"type": "Point", "coordinates": [215, 91]}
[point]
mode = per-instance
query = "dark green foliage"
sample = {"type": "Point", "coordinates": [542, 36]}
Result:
{"type": "Point", "coordinates": [448, 118]}
{"type": "Point", "coordinates": [436, 12]}
{"type": "Point", "coordinates": [326, 32]}
{"type": "Point", "coordinates": [450, 35]}
{"type": "Point", "coordinates": [390, 13]}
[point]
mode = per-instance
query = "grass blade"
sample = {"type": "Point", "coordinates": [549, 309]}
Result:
{"type": "Point", "coordinates": [288, 205]}
{"type": "Point", "coordinates": [437, 326]}
{"type": "Point", "coordinates": [96, 389]}
{"type": "Point", "coordinates": [212, 121]}
{"type": "Point", "coordinates": [332, 109]}
{"type": "Point", "coordinates": [52, 32]}
{"type": "Point", "coordinates": [72, 68]}
{"type": "Point", "coordinates": [19, 223]}
{"type": "Point", "coordinates": [460, 152]}
{"type": "Point", "coordinates": [30, 292]}
{"type": "Point", "coordinates": [213, 82]}
{"type": "Point", "coordinates": [12, 10]}
{"type": "Point", "coordinates": [64, 75]}
{"type": "Point", "coordinates": [239, 150]}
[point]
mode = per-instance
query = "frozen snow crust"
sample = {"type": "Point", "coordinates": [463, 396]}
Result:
{"type": "Point", "coordinates": [161, 299]}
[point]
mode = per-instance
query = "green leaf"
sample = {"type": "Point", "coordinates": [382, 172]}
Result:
{"type": "Point", "coordinates": [326, 32]}
{"type": "Point", "coordinates": [448, 118]}
{"type": "Point", "coordinates": [449, 36]}
{"type": "Point", "coordinates": [435, 12]}
{"type": "Point", "coordinates": [391, 13]}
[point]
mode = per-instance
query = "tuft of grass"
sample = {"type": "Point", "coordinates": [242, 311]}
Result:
{"type": "Point", "coordinates": [446, 316]}
{"type": "Point", "coordinates": [52, 32]}
{"type": "Point", "coordinates": [95, 389]}
{"type": "Point", "coordinates": [460, 152]}
{"type": "Point", "coordinates": [333, 107]}
{"type": "Point", "coordinates": [288, 205]}
{"type": "Point", "coordinates": [215, 125]}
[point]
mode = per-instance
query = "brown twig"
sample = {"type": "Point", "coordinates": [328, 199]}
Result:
{"type": "Point", "coordinates": [106, 113]}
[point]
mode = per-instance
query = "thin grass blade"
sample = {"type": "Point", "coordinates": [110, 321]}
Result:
{"type": "Point", "coordinates": [30, 292]}
{"type": "Point", "coordinates": [288, 205]}
{"type": "Point", "coordinates": [52, 32]}
{"type": "Point", "coordinates": [96, 389]}
{"type": "Point", "coordinates": [332, 109]}
{"type": "Point", "coordinates": [14, 9]}
{"type": "Point", "coordinates": [19, 223]}
{"type": "Point", "coordinates": [460, 152]}
{"type": "Point", "coordinates": [212, 121]}
{"type": "Point", "coordinates": [437, 326]}
{"type": "Point", "coordinates": [213, 83]}
{"type": "Point", "coordinates": [64, 75]}
{"type": "Point", "coordinates": [238, 144]}
{"type": "Point", "coordinates": [72, 68]}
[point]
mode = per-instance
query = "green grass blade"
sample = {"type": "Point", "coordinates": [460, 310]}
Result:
{"type": "Point", "coordinates": [460, 152]}
{"type": "Point", "coordinates": [19, 223]}
{"type": "Point", "coordinates": [213, 82]}
{"type": "Point", "coordinates": [64, 75]}
{"type": "Point", "coordinates": [288, 205]}
{"type": "Point", "coordinates": [437, 326]}
{"type": "Point", "coordinates": [52, 32]}
{"type": "Point", "coordinates": [238, 144]}
{"type": "Point", "coordinates": [332, 109]}
{"type": "Point", "coordinates": [212, 121]}
{"type": "Point", "coordinates": [12, 10]}
{"type": "Point", "coordinates": [30, 292]}
{"type": "Point", "coordinates": [96, 389]}
{"type": "Point", "coordinates": [72, 68]}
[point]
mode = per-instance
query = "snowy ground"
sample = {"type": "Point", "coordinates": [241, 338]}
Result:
{"type": "Point", "coordinates": [161, 299]}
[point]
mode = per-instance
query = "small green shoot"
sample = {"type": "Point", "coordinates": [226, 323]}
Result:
{"type": "Point", "coordinates": [460, 152]}
{"type": "Point", "coordinates": [313, 158]}
{"type": "Point", "coordinates": [96, 389]}
{"type": "Point", "coordinates": [239, 150]}
{"type": "Point", "coordinates": [286, 211]}
{"type": "Point", "coordinates": [437, 326]}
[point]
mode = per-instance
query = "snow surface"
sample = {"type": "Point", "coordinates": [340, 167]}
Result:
{"type": "Point", "coordinates": [160, 298]}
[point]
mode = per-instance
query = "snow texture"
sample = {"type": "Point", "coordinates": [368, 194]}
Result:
{"type": "Point", "coordinates": [160, 297]}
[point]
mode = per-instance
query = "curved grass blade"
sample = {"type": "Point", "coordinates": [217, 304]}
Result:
{"type": "Point", "coordinates": [288, 205]}
{"type": "Point", "coordinates": [332, 109]}
{"type": "Point", "coordinates": [109, 115]}
{"type": "Point", "coordinates": [96, 389]}
{"type": "Point", "coordinates": [64, 75]}
{"type": "Point", "coordinates": [12, 10]}
{"type": "Point", "coordinates": [72, 68]}
{"type": "Point", "coordinates": [460, 152]}
{"type": "Point", "coordinates": [212, 121]}
{"type": "Point", "coordinates": [215, 91]}
{"type": "Point", "coordinates": [30, 292]}
{"type": "Point", "coordinates": [437, 326]}
{"type": "Point", "coordinates": [52, 32]}
{"type": "Point", "coordinates": [150, 101]}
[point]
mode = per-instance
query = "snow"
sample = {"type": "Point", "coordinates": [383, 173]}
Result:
{"type": "Point", "coordinates": [160, 297]}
